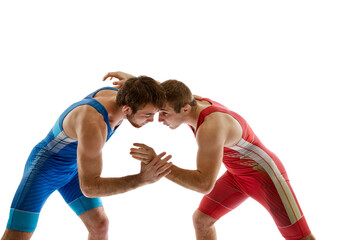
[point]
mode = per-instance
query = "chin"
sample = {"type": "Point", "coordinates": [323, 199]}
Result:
{"type": "Point", "coordinates": [136, 125]}
{"type": "Point", "coordinates": [172, 127]}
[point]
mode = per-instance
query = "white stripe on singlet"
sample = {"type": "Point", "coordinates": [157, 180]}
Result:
{"type": "Point", "coordinates": [261, 157]}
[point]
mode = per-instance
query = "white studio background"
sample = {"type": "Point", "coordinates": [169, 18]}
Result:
{"type": "Point", "coordinates": [289, 67]}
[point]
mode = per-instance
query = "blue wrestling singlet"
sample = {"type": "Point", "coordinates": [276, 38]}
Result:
{"type": "Point", "coordinates": [52, 165]}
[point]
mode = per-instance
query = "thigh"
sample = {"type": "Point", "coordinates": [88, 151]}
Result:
{"type": "Point", "coordinates": [279, 199]}
{"type": "Point", "coordinates": [37, 184]}
{"type": "Point", "coordinates": [73, 196]}
{"type": "Point", "coordinates": [224, 197]}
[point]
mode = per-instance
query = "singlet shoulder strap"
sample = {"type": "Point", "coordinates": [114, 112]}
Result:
{"type": "Point", "coordinates": [88, 100]}
{"type": "Point", "coordinates": [91, 95]}
{"type": "Point", "coordinates": [215, 107]}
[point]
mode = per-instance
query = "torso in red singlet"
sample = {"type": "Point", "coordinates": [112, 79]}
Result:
{"type": "Point", "coordinates": [253, 170]}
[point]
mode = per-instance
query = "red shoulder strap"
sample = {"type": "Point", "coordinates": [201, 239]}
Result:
{"type": "Point", "coordinates": [215, 107]}
{"type": "Point", "coordinates": [248, 134]}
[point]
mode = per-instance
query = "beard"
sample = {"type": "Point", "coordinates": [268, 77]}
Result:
{"type": "Point", "coordinates": [130, 118]}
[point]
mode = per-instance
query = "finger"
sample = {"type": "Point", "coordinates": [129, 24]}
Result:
{"type": "Point", "coordinates": [116, 86]}
{"type": "Point", "coordinates": [112, 75]}
{"type": "Point", "coordinates": [142, 146]}
{"type": "Point", "coordinates": [142, 160]}
{"type": "Point", "coordinates": [197, 97]}
{"type": "Point", "coordinates": [106, 76]}
{"type": "Point", "coordinates": [167, 158]}
{"type": "Point", "coordinates": [121, 83]}
{"type": "Point", "coordinates": [157, 159]}
{"type": "Point", "coordinates": [142, 151]}
{"type": "Point", "coordinates": [138, 150]}
{"type": "Point", "coordinates": [164, 174]}
{"type": "Point", "coordinates": [142, 157]}
{"type": "Point", "coordinates": [148, 149]}
{"type": "Point", "coordinates": [142, 154]}
{"type": "Point", "coordinates": [162, 162]}
{"type": "Point", "coordinates": [164, 168]}
{"type": "Point", "coordinates": [137, 158]}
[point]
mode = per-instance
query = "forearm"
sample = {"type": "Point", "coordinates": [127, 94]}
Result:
{"type": "Point", "coordinates": [191, 179]}
{"type": "Point", "coordinates": [102, 187]}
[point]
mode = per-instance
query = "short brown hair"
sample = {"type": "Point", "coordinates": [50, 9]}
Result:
{"type": "Point", "coordinates": [177, 94]}
{"type": "Point", "coordinates": [139, 91]}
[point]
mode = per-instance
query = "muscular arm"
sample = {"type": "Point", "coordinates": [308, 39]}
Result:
{"type": "Point", "coordinates": [210, 142]}
{"type": "Point", "coordinates": [91, 134]}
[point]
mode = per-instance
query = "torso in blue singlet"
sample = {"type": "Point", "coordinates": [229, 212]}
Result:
{"type": "Point", "coordinates": [58, 144]}
{"type": "Point", "coordinates": [52, 165]}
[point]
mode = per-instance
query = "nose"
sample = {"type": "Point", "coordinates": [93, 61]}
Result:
{"type": "Point", "coordinates": [151, 119]}
{"type": "Point", "coordinates": [160, 118]}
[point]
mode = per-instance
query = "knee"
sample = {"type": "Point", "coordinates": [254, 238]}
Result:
{"type": "Point", "coordinates": [16, 235]}
{"type": "Point", "coordinates": [202, 221]}
{"type": "Point", "coordinates": [100, 227]}
{"type": "Point", "coordinates": [309, 237]}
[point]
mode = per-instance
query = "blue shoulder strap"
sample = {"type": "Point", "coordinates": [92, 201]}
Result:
{"type": "Point", "coordinates": [88, 100]}
{"type": "Point", "coordinates": [91, 95]}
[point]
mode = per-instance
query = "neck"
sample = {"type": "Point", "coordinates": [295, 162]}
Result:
{"type": "Point", "coordinates": [195, 113]}
{"type": "Point", "coordinates": [115, 114]}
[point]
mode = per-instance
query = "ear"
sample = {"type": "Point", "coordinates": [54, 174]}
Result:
{"type": "Point", "coordinates": [186, 108]}
{"type": "Point", "coordinates": [126, 110]}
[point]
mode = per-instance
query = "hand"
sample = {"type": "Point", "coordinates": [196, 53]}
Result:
{"type": "Point", "coordinates": [121, 76]}
{"type": "Point", "coordinates": [143, 153]}
{"type": "Point", "coordinates": [156, 169]}
{"type": "Point", "coordinates": [197, 97]}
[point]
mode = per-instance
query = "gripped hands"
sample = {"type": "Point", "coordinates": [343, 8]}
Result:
{"type": "Point", "coordinates": [143, 153]}
{"type": "Point", "coordinates": [156, 169]}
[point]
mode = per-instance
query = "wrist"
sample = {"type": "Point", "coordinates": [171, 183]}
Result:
{"type": "Point", "coordinates": [124, 76]}
{"type": "Point", "coordinates": [141, 180]}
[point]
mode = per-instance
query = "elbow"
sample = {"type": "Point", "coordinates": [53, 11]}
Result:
{"type": "Point", "coordinates": [206, 188]}
{"type": "Point", "coordinates": [88, 190]}
{"type": "Point", "coordinates": [205, 183]}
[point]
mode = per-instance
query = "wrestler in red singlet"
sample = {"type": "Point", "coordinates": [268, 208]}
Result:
{"type": "Point", "coordinates": [253, 171]}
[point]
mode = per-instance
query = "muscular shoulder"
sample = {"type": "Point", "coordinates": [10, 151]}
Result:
{"type": "Point", "coordinates": [87, 113]}
{"type": "Point", "coordinates": [216, 121]}
{"type": "Point", "coordinates": [84, 120]}
{"type": "Point", "coordinates": [211, 130]}
{"type": "Point", "coordinates": [221, 126]}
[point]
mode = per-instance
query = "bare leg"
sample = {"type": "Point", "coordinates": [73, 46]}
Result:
{"type": "Point", "coordinates": [309, 237]}
{"type": "Point", "coordinates": [204, 226]}
{"type": "Point", "coordinates": [16, 235]}
{"type": "Point", "coordinates": [97, 223]}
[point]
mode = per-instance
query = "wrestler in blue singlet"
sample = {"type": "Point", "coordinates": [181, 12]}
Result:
{"type": "Point", "coordinates": [52, 165]}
